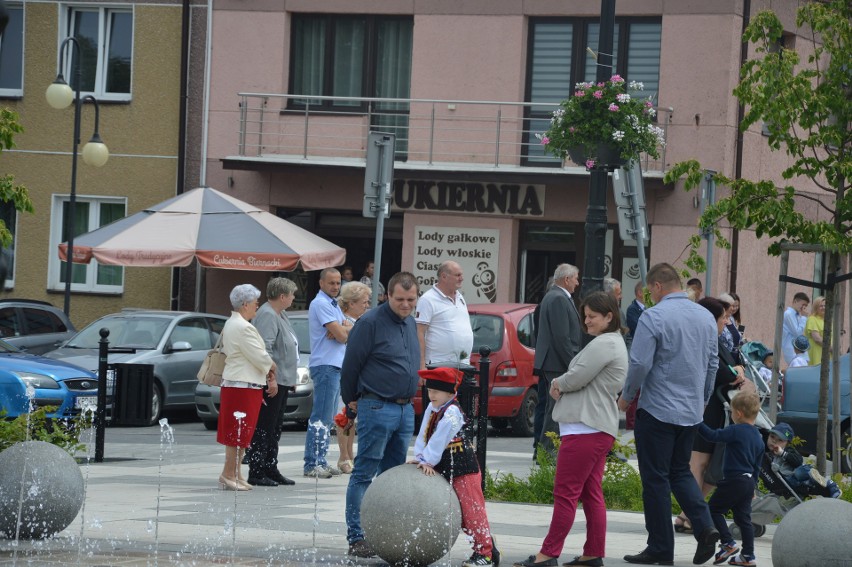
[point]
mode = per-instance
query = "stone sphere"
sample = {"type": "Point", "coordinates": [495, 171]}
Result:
{"type": "Point", "coordinates": [409, 518]}
{"type": "Point", "coordinates": [815, 532]}
{"type": "Point", "coordinates": [44, 484]}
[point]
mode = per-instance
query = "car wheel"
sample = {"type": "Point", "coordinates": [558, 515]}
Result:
{"type": "Point", "coordinates": [500, 423]}
{"type": "Point", "coordinates": [211, 425]}
{"type": "Point", "coordinates": [522, 424]}
{"type": "Point", "coordinates": [156, 405]}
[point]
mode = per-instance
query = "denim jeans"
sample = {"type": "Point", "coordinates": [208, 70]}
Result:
{"type": "Point", "coordinates": [384, 432]}
{"type": "Point", "coordinates": [326, 381]}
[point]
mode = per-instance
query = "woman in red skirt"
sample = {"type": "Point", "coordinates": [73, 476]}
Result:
{"type": "Point", "coordinates": [248, 367]}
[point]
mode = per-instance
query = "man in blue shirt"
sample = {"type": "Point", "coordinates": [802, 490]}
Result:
{"type": "Point", "coordinates": [674, 360]}
{"type": "Point", "coordinates": [793, 325]}
{"type": "Point", "coordinates": [329, 331]}
{"type": "Point", "coordinates": [378, 380]}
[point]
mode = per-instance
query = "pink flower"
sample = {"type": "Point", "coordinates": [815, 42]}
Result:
{"type": "Point", "coordinates": [598, 94]}
{"type": "Point", "coordinates": [601, 84]}
{"type": "Point", "coordinates": [616, 79]}
{"type": "Point", "coordinates": [571, 129]}
{"type": "Point", "coordinates": [580, 93]}
{"type": "Point", "coordinates": [613, 107]}
{"type": "Point", "coordinates": [648, 104]}
{"type": "Point", "coordinates": [590, 164]}
{"type": "Point", "coordinates": [545, 140]}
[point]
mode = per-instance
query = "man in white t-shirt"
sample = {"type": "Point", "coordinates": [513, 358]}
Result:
{"type": "Point", "coordinates": [443, 323]}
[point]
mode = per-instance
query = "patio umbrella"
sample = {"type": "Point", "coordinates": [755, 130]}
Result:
{"type": "Point", "coordinates": [217, 229]}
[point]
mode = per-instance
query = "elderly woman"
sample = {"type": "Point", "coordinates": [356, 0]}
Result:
{"type": "Point", "coordinates": [281, 344]}
{"type": "Point", "coordinates": [587, 414]}
{"type": "Point", "coordinates": [814, 328]}
{"type": "Point", "coordinates": [248, 367]}
{"type": "Point", "coordinates": [354, 299]}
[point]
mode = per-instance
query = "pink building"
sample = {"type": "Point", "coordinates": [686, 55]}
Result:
{"type": "Point", "coordinates": [296, 85]}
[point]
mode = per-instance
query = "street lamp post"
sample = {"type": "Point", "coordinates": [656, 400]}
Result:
{"type": "Point", "coordinates": [59, 95]}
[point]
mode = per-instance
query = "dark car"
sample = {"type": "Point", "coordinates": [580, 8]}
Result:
{"type": "Point", "coordinates": [299, 402]}
{"type": "Point", "coordinates": [509, 330]}
{"type": "Point", "coordinates": [173, 342]}
{"type": "Point", "coordinates": [52, 382]}
{"type": "Point", "coordinates": [800, 403]}
{"type": "Point", "coordinates": [34, 326]}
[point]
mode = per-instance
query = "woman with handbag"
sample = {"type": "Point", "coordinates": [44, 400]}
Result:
{"type": "Point", "coordinates": [248, 367]}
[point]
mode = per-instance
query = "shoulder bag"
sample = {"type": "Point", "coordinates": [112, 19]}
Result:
{"type": "Point", "coordinates": [213, 366]}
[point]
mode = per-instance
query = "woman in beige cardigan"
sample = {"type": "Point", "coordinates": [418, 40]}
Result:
{"type": "Point", "coordinates": [248, 368]}
{"type": "Point", "coordinates": [587, 414]}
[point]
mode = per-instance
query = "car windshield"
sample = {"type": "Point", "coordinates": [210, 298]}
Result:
{"type": "Point", "coordinates": [300, 326]}
{"type": "Point", "coordinates": [137, 332]}
{"type": "Point", "coordinates": [487, 331]}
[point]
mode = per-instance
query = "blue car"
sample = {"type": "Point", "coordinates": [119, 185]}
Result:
{"type": "Point", "coordinates": [53, 382]}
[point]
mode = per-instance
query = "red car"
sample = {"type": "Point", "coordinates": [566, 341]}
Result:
{"type": "Point", "coordinates": [509, 329]}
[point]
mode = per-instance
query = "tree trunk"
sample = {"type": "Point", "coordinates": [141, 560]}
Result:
{"type": "Point", "coordinates": [828, 331]}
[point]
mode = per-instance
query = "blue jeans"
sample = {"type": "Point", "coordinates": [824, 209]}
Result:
{"type": "Point", "coordinates": [663, 451]}
{"type": "Point", "coordinates": [384, 432]}
{"type": "Point", "coordinates": [326, 381]}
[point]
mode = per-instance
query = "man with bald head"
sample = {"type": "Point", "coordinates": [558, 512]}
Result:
{"type": "Point", "coordinates": [443, 323]}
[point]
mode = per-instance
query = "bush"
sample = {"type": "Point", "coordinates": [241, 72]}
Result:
{"type": "Point", "coordinates": [37, 426]}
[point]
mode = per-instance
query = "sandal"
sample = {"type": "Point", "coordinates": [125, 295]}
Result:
{"type": "Point", "coordinates": [346, 466]}
{"type": "Point", "coordinates": [682, 525]}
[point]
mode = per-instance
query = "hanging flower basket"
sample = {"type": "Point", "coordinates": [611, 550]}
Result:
{"type": "Point", "coordinates": [603, 126]}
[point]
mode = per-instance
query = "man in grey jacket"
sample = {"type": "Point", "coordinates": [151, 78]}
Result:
{"type": "Point", "coordinates": [282, 346]}
{"type": "Point", "coordinates": [559, 338]}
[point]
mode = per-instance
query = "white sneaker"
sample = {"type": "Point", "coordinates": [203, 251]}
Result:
{"type": "Point", "coordinates": [333, 471]}
{"type": "Point", "coordinates": [817, 478]}
{"type": "Point", "coordinates": [317, 472]}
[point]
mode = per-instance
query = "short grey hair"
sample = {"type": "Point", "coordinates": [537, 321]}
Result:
{"type": "Point", "coordinates": [611, 284]}
{"type": "Point", "coordinates": [242, 294]}
{"type": "Point", "coordinates": [280, 286]}
{"type": "Point", "coordinates": [565, 271]}
{"type": "Point", "coordinates": [352, 292]}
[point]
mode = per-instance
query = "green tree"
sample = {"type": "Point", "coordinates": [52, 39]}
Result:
{"type": "Point", "coordinates": [806, 109]}
{"type": "Point", "coordinates": [9, 191]}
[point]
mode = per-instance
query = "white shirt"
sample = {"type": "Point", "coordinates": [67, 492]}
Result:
{"type": "Point", "coordinates": [798, 360]}
{"type": "Point", "coordinates": [452, 422]}
{"type": "Point", "coordinates": [449, 337]}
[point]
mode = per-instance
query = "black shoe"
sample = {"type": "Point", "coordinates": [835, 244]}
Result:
{"type": "Point", "coordinates": [361, 549]}
{"type": "Point", "coordinates": [495, 555]}
{"type": "Point", "coordinates": [646, 558]}
{"type": "Point", "coordinates": [593, 562]}
{"type": "Point", "coordinates": [276, 475]}
{"type": "Point", "coordinates": [261, 481]}
{"type": "Point", "coordinates": [531, 562]}
{"type": "Point", "coordinates": [706, 548]}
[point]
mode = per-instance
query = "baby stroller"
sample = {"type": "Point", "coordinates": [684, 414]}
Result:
{"type": "Point", "coordinates": [752, 355]}
{"type": "Point", "coordinates": [779, 499]}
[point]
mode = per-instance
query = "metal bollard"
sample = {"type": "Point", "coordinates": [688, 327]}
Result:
{"type": "Point", "coordinates": [100, 413]}
{"type": "Point", "coordinates": [482, 417]}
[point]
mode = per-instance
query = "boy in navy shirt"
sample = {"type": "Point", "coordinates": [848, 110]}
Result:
{"type": "Point", "coordinates": [740, 467]}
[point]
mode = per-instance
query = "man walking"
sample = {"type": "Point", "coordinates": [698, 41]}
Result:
{"type": "Point", "coordinates": [674, 360]}
{"type": "Point", "coordinates": [443, 323]}
{"type": "Point", "coordinates": [329, 331]}
{"type": "Point", "coordinates": [280, 340]}
{"type": "Point", "coordinates": [559, 339]}
{"type": "Point", "coordinates": [793, 324]}
{"type": "Point", "coordinates": [378, 380]}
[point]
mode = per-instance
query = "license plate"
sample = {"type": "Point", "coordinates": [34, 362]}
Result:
{"type": "Point", "coordinates": [86, 402]}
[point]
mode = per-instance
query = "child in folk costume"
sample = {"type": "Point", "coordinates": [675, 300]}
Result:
{"type": "Point", "coordinates": [442, 447]}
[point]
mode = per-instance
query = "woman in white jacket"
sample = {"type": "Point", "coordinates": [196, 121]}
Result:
{"type": "Point", "coordinates": [587, 415]}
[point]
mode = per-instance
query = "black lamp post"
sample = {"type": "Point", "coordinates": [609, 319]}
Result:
{"type": "Point", "coordinates": [59, 95]}
{"type": "Point", "coordinates": [596, 219]}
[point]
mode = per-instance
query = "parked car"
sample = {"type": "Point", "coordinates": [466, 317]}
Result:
{"type": "Point", "coordinates": [509, 330]}
{"type": "Point", "coordinates": [800, 403]}
{"type": "Point", "coordinates": [299, 402]}
{"type": "Point", "coordinates": [34, 326]}
{"type": "Point", "coordinates": [54, 383]}
{"type": "Point", "coordinates": [173, 342]}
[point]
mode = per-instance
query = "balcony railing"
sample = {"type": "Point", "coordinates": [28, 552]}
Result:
{"type": "Point", "coordinates": [431, 133]}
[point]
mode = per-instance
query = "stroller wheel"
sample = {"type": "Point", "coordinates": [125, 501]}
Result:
{"type": "Point", "coordinates": [735, 531]}
{"type": "Point", "coordinates": [759, 530]}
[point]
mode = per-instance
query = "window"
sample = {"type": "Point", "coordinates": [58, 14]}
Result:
{"type": "Point", "coordinates": [105, 36]}
{"type": "Point", "coordinates": [12, 53]}
{"type": "Point", "coordinates": [354, 56]}
{"type": "Point", "coordinates": [9, 216]}
{"type": "Point", "coordinates": [526, 331]}
{"type": "Point", "coordinates": [90, 213]}
{"type": "Point", "coordinates": [559, 59]}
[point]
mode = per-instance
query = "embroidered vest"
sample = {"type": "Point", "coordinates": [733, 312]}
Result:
{"type": "Point", "coordinates": [458, 458]}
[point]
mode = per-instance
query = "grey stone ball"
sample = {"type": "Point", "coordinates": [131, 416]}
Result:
{"type": "Point", "coordinates": [813, 533]}
{"type": "Point", "coordinates": [44, 483]}
{"type": "Point", "coordinates": [410, 518]}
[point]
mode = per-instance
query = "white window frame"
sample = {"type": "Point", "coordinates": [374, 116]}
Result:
{"type": "Point", "coordinates": [54, 275]}
{"type": "Point", "coordinates": [10, 282]}
{"type": "Point", "coordinates": [65, 30]}
{"type": "Point", "coordinates": [17, 92]}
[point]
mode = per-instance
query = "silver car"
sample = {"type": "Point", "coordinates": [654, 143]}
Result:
{"type": "Point", "coordinates": [173, 342]}
{"type": "Point", "coordinates": [299, 402]}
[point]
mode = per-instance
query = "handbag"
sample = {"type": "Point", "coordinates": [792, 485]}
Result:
{"type": "Point", "coordinates": [213, 365]}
